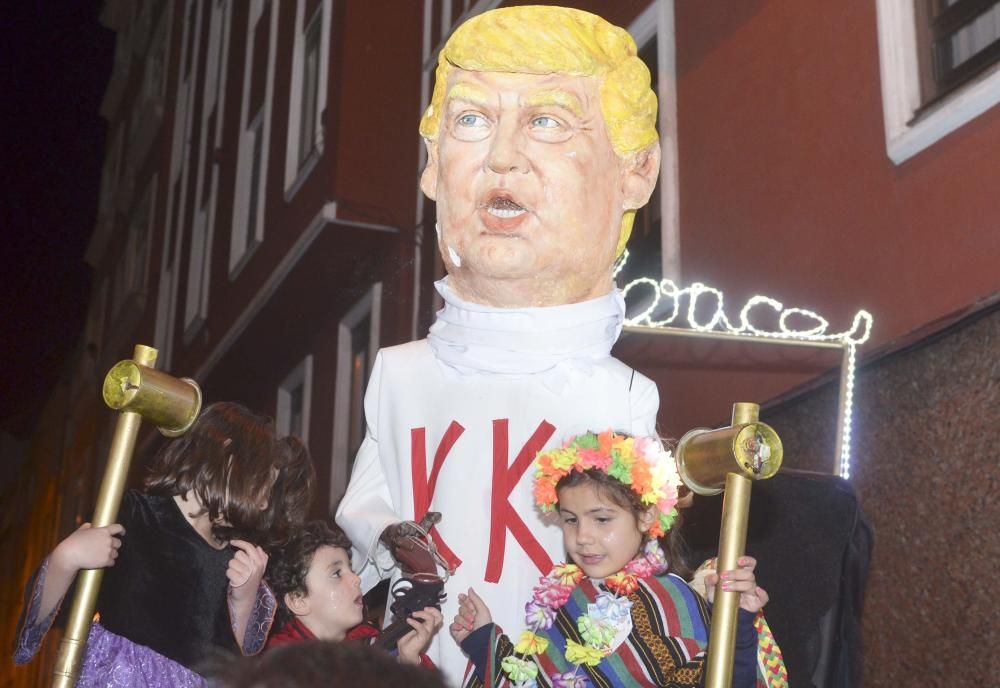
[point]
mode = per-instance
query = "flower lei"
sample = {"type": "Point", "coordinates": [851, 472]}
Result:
{"type": "Point", "coordinates": [598, 627]}
{"type": "Point", "coordinates": [641, 463]}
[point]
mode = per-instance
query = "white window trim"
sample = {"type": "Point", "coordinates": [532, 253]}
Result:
{"type": "Point", "coordinates": [180, 164]}
{"type": "Point", "coordinates": [301, 376]}
{"type": "Point", "coordinates": [370, 305]}
{"type": "Point", "coordinates": [657, 21]}
{"type": "Point", "coordinates": [163, 332]}
{"type": "Point", "coordinates": [143, 224]}
{"type": "Point", "coordinates": [199, 273]}
{"type": "Point", "coordinates": [166, 298]}
{"type": "Point", "coordinates": [900, 76]}
{"type": "Point", "coordinates": [296, 170]}
{"type": "Point", "coordinates": [239, 251]}
{"type": "Point", "coordinates": [203, 230]}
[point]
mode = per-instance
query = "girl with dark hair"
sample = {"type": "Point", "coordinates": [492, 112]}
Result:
{"type": "Point", "coordinates": [620, 614]}
{"type": "Point", "coordinates": [184, 562]}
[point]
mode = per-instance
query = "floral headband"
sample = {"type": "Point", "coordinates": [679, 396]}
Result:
{"type": "Point", "coordinates": [640, 463]}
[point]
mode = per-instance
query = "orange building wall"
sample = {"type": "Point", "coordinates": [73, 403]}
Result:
{"type": "Point", "coordinates": [785, 185]}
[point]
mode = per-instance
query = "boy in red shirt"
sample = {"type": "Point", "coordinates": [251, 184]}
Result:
{"type": "Point", "coordinates": [319, 595]}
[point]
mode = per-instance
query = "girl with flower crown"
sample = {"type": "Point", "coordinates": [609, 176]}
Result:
{"type": "Point", "coordinates": [619, 614]}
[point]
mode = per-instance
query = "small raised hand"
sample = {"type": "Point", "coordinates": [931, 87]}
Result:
{"type": "Point", "coordinates": [472, 615]}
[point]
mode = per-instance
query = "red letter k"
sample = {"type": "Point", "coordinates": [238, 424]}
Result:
{"type": "Point", "coordinates": [423, 485]}
{"type": "Point", "coordinates": [502, 514]}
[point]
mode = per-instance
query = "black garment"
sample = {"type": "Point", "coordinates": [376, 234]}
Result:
{"type": "Point", "coordinates": [167, 570]}
{"type": "Point", "coordinates": [813, 547]}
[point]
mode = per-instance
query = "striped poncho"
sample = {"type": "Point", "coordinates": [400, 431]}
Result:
{"type": "Point", "coordinates": [665, 647]}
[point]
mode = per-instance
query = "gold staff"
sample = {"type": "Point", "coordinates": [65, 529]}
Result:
{"type": "Point", "coordinates": [728, 458]}
{"type": "Point", "coordinates": [139, 391]}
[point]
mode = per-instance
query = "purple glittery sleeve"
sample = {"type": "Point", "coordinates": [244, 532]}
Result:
{"type": "Point", "coordinates": [112, 661]}
{"type": "Point", "coordinates": [30, 629]}
{"type": "Point", "coordinates": [259, 623]}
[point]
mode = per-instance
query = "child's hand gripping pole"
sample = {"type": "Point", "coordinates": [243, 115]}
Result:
{"type": "Point", "coordinates": [139, 392]}
{"type": "Point", "coordinates": [728, 458]}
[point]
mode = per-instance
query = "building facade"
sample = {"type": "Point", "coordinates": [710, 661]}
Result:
{"type": "Point", "coordinates": [260, 222]}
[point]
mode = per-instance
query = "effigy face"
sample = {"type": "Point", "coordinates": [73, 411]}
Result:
{"type": "Point", "coordinates": [535, 187]}
{"type": "Point", "coordinates": [529, 189]}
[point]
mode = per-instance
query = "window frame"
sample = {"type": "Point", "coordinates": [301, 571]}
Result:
{"type": "Point", "coordinates": [910, 126]}
{"type": "Point", "coordinates": [367, 307]}
{"type": "Point", "coordinates": [656, 22]}
{"type": "Point", "coordinates": [300, 377]}
{"type": "Point", "coordinates": [254, 128]}
{"type": "Point", "coordinates": [298, 163]}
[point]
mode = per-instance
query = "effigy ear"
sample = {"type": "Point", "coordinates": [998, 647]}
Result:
{"type": "Point", "coordinates": [428, 179]}
{"type": "Point", "coordinates": [641, 172]}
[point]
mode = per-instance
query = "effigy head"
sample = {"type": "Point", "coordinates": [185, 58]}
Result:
{"type": "Point", "coordinates": [541, 145]}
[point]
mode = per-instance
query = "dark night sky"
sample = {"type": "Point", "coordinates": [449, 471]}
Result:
{"type": "Point", "coordinates": [55, 60]}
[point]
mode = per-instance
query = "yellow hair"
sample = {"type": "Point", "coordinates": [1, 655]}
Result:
{"type": "Point", "coordinates": [547, 40]}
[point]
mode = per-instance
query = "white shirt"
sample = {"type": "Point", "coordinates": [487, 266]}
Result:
{"type": "Point", "coordinates": [472, 430]}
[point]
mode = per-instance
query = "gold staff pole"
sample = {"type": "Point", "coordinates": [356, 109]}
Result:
{"type": "Point", "coordinates": [140, 392]}
{"type": "Point", "coordinates": [729, 458]}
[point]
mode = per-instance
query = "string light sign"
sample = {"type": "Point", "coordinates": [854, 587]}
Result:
{"type": "Point", "coordinates": [705, 316]}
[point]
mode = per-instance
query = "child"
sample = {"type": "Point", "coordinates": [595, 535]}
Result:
{"type": "Point", "coordinates": [619, 615]}
{"type": "Point", "coordinates": [319, 595]}
{"type": "Point", "coordinates": [184, 574]}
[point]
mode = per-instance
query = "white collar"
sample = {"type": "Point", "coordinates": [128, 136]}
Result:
{"type": "Point", "coordinates": [471, 339]}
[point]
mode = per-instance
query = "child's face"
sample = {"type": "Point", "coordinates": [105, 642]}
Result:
{"type": "Point", "coordinates": [600, 536]}
{"type": "Point", "coordinates": [333, 604]}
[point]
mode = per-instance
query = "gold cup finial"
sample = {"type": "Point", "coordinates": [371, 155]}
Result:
{"type": "Point", "coordinates": [170, 403]}
{"type": "Point", "coordinates": [747, 447]}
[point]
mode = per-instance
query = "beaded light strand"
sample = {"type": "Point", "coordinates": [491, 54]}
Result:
{"type": "Point", "coordinates": [667, 291]}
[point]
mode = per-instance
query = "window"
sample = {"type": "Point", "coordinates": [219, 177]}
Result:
{"type": "Point", "coordinates": [154, 81]}
{"type": "Point", "coordinates": [177, 217]}
{"type": "Point", "coordinates": [310, 84]}
{"type": "Point", "coordinates": [138, 242]}
{"type": "Point", "coordinates": [310, 70]}
{"type": "Point", "coordinates": [357, 344]}
{"type": "Point", "coordinates": [359, 365]}
{"type": "Point", "coordinates": [654, 245]}
{"type": "Point", "coordinates": [96, 317]}
{"type": "Point", "coordinates": [131, 269]}
{"type": "Point", "coordinates": [255, 122]}
{"type": "Point", "coordinates": [294, 401]}
{"type": "Point", "coordinates": [957, 40]}
{"type": "Point", "coordinates": [189, 30]}
{"type": "Point", "coordinates": [199, 273]}
{"type": "Point", "coordinates": [207, 182]}
{"type": "Point", "coordinates": [645, 244]}
{"type": "Point", "coordinates": [166, 297]}
{"type": "Point", "coordinates": [940, 68]}
{"type": "Point", "coordinates": [148, 108]}
{"type": "Point", "coordinates": [137, 248]}
{"type": "Point", "coordinates": [256, 143]}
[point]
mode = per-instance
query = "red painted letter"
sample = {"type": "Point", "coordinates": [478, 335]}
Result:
{"type": "Point", "coordinates": [423, 485]}
{"type": "Point", "coordinates": [502, 514]}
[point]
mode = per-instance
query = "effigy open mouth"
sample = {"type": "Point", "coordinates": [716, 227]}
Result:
{"type": "Point", "coordinates": [504, 207]}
